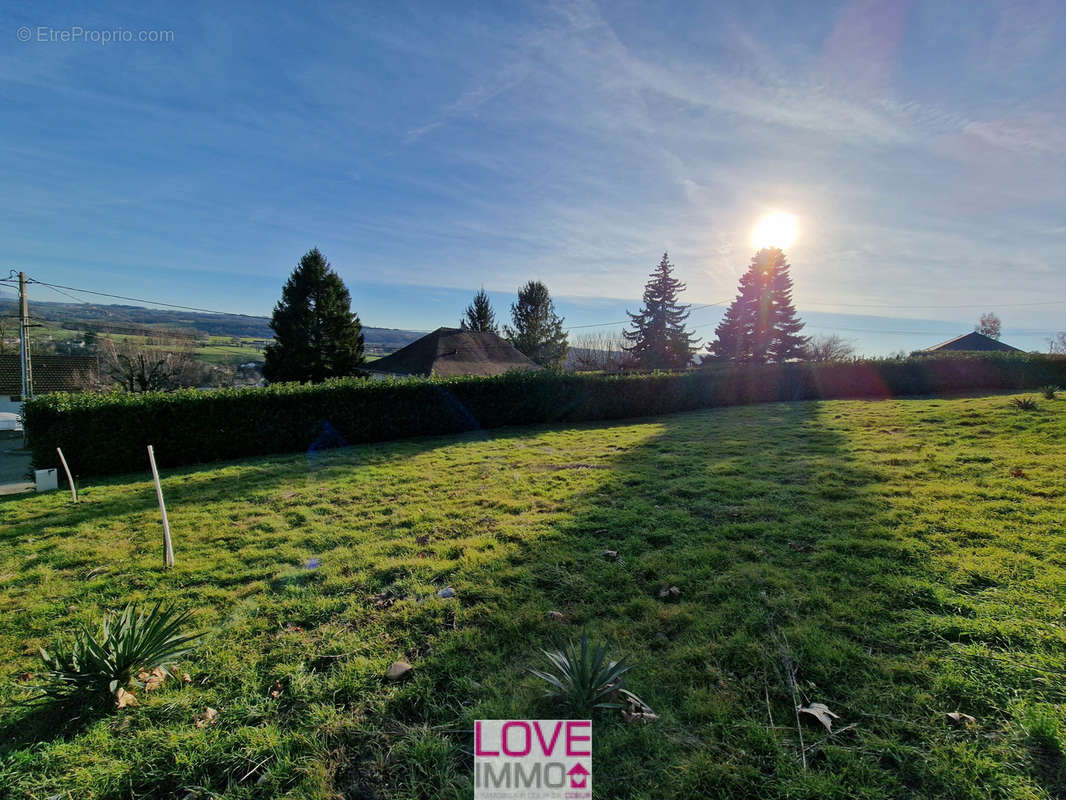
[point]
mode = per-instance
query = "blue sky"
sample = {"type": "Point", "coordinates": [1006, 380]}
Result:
{"type": "Point", "coordinates": [432, 148]}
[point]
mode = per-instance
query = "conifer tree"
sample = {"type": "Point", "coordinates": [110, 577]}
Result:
{"type": "Point", "coordinates": [536, 330]}
{"type": "Point", "coordinates": [659, 339]}
{"type": "Point", "coordinates": [760, 326]}
{"type": "Point", "coordinates": [479, 315]}
{"type": "Point", "coordinates": [316, 335]}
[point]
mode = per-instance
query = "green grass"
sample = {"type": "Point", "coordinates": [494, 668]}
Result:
{"type": "Point", "coordinates": [909, 557]}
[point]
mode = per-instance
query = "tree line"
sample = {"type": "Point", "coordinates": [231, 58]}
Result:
{"type": "Point", "coordinates": [317, 336]}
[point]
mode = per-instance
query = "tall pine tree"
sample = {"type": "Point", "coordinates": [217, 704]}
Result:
{"type": "Point", "coordinates": [316, 335]}
{"type": "Point", "coordinates": [760, 326]}
{"type": "Point", "coordinates": [659, 339]}
{"type": "Point", "coordinates": [479, 315]}
{"type": "Point", "coordinates": [536, 330]}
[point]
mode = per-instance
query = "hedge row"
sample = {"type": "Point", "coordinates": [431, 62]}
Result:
{"type": "Point", "coordinates": [105, 434]}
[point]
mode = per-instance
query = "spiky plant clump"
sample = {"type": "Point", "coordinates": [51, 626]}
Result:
{"type": "Point", "coordinates": [585, 679]}
{"type": "Point", "coordinates": [1049, 391]}
{"type": "Point", "coordinates": [127, 643]}
{"type": "Point", "coordinates": [1024, 403]}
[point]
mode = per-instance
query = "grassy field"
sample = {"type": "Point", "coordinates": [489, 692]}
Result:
{"type": "Point", "coordinates": [907, 557]}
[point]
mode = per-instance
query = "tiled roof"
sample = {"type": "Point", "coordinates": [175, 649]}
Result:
{"type": "Point", "coordinates": [50, 373]}
{"type": "Point", "coordinates": [973, 341]}
{"type": "Point", "coordinates": [454, 351]}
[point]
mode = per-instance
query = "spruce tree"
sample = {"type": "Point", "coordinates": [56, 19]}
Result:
{"type": "Point", "coordinates": [536, 330]}
{"type": "Point", "coordinates": [760, 326]}
{"type": "Point", "coordinates": [316, 335]}
{"type": "Point", "coordinates": [479, 315]}
{"type": "Point", "coordinates": [659, 339]}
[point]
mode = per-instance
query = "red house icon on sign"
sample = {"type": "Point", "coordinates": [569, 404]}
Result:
{"type": "Point", "coordinates": [578, 776]}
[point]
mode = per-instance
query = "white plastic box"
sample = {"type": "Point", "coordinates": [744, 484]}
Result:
{"type": "Point", "coordinates": [47, 479]}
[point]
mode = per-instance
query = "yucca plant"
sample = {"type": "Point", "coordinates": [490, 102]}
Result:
{"type": "Point", "coordinates": [1024, 403]}
{"type": "Point", "coordinates": [584, 678]}
{"type": "Point", "coordinates": [126, 644]}
{"type": "Point", "coordinates": [1049, 391]}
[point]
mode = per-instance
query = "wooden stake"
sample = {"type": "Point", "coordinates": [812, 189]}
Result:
{"type": "Point", "coordinates": [70, 480]}
{"type": "Point", "coordinates": [168, 550]}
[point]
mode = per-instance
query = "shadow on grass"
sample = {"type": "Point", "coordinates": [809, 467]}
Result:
{"type": "Point", "coordinates": [759, 518]}
{"type": "Point", "coordinates": [781, 543]}
{"type": "Point", "coordinates": [44, 722]}
{"type": "Point", "coordinates": [786, 551]}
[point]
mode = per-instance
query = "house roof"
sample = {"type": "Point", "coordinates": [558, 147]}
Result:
{"type": "Point", "coordinates": [50, 373]}
{"type": "Point", "coordinates": [973, 341]}
{"type": "Point", "coordinates": [454, 351]}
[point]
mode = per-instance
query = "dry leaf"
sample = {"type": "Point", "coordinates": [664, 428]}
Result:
{"type": "Point", "coordinates": [821, 712]}
{"type": "Point", "coordinates": [186, 677]}
{"type": "Point", "coordinates": [277, 690]}
{"type": "Point", "coordinates": [209, 717]}
{"type": "Point", "coordinates": [962, 719]}
{"type": "Point", "coordinates": [152, 680]}
{"type": "Point", "coordinates": [637, 713]}
{"type": "Point", "coordinates": [124, 698]}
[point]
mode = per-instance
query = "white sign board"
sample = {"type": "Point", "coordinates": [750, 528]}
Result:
{"type": "Point", "coordinates": [533, 759]}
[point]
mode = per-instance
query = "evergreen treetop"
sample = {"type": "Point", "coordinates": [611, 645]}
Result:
{"type": "Point", "coordinates": [659, 339]}
{"type": "Point", "coordinates": [536, 330]}
{"type": "Point", "coordinates": [760, 325]}
{"type": "Point", "coordinates": [316, 335]}
{"type": "Point", "coordinates": [479, 315]}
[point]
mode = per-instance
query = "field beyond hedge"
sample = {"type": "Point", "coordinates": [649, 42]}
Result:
{"type": "Point", "coordinates": [907, 556]}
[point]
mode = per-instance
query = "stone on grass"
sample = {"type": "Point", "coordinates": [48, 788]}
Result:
{"type": "Point", "coordinates": [446, 592]}
{"type": "Point", "coordinates": [398, 671]}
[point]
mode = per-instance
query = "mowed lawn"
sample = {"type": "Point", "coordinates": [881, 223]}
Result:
{"type": "Point", "coordinates": [907, 558]}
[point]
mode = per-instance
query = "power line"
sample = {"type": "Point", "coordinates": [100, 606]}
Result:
{"type": "Point", "coordinates": [142, 300]}
{"type": "Point", "coordinates": [626, 321]}
{"type": "Point", "coordinates": [65, 294]}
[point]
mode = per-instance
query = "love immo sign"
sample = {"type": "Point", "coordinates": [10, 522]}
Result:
{"type": "Point", "coordinates": [533, 759]}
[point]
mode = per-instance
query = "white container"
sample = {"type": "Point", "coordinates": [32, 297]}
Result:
{"type": "Point", "coordinates": [47, 479]}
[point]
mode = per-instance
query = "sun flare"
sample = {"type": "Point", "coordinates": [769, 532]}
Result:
{"type": "Point", "coordinates": [775, 230]}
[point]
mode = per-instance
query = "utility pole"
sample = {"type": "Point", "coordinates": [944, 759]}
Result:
{"type": "Point", "coordinates": [24, 343]}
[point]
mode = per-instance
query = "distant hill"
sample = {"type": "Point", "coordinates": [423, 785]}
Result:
{"type": "Point", "coordinates": [138, 320]}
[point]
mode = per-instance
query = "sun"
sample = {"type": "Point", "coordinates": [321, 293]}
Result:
{"type": "Point", "coordinates": [775, 230]}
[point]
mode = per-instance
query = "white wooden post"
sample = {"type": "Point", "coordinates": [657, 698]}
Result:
{"type": "Point", "coordinates": [70, 480]}
{"type": "Point", "coordinates": [168, 550]}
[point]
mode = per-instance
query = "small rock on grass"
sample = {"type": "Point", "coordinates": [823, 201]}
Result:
{"type": "Point", "coordinates": [610, 555]}
{"type": "Point", "coordinates": [399, 670]}
{"type": "Point", "coordinates": [556, 615]}
{"type": "Point", "coordinates": [446, 592]}
{"type": "Point", "coordinates": [670, 593]}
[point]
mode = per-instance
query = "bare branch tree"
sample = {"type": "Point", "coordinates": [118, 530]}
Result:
{"type": "Point", "coordinates": [598, 352]}
{"type": "Point", "coordinates": [989, 325]}
{"type": "Point", "coordinates": [139, 368]}
{"type": "Point", "coordinates": [830, 347]}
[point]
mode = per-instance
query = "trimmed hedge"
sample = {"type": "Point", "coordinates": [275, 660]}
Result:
{"type": "Point", "coordinates": [105, 434]}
